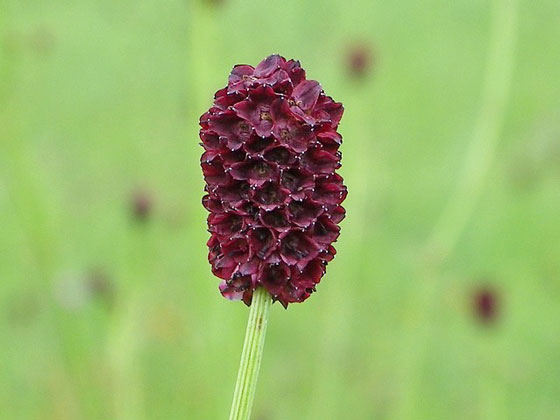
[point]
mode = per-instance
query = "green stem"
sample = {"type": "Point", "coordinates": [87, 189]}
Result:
{"type": "Point", "coordinates": [251, 356]}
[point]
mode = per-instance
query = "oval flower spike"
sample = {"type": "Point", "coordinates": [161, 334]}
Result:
{"type": "Point", "coordinates": [270, 158]}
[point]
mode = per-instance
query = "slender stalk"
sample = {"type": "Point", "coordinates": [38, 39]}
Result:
{"type": "Point", "coordinates": [251, 356]}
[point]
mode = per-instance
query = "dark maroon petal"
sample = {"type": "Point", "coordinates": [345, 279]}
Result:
{"type": "Point", "coordinates": [270, 196]}
{"type": "Point", "coordinates": [325, 231]}
{"type": "Point", "coordinates": [234, 192]}
{"type": "Point", "coordinates": [236, 250]}
{"type": "Point", "coordinates": [329, 190]}
{"type": "Point", "coordinates": [301, 115]}
{"type": "Point", "coordinates": [262, 119]}
{"type": "Point", "coordinates": [213, 169]}
{"type": "Point", "coordinates": [275, 219]}
{"type": "Point", "coordinates": [295, 71]}
{"type": "Point", "coordinates": [204, 118]}
{"type": "Point", "coordinates": [280, 110]}
{"type": "Point", "coordinates": [337, 214]}
{"type": "Point", "coordinates": [274, 257]}
{"type": "Point", "coordinates": [248, 297]}
{"type": "Point", "coordinates": [255, 171]}
{"type": "Point", "coordinates": [233, 156]}
{"type": "Point", "coordinates": [309, 276]}
{"type": "Point", "coordinates": [239, 282]}
{"type": "Point", "coordinates": [330, 110]}
{"type": "Point", "coordinates": [297, 248]}
{"type": "Point", "coordinates": [242, 86]}
{"type": "Point", "coordinates": [328, 255]}
{"type": "Point", "coordinates": [210, 156]}
{"type": "Point", "coordinates": [269, 65]}
{"type": "Point", "coordinates": [229, 292]}
{"type": "Point", "coordinates": [226, 100]}
{"type": "Point", "coordinates": [211, 141]}
{"type": "Point", "coordinates": [305, 94]}
{"type": "Point", "coordinates": [292, 294]}
{"type": "Point", "coordinates": [256, 110]}
{"type": "Point", "coordinates": [223, 271]}
{"type": "Point", "coordinates": [223, 122]}
{"type": "Point", "coordinates": [297, 182]}
{"type": "Point", "coordinates": [262, 242]}
{"type": "Point", "coordinates": [226, 224]}
{"type": "Point", "coordinates": [225, 261]}
{"type": "Point", "coordinates": [320, 161]}
{"type": "Point", "coordinates": [220, 94]}
{"type": "Point", "coordinates": [235, 130]}
{"type": "Point", "coordinates": [263, 95]}
{"type": "Point", "coordinates": [264, 127]}
{"type": "Point", "coordinates": [240, 78]}
{"type": "Point", "coordinates": [256, 144]}
{"type": "Point", "coordinates": [214, 248]}
{"type": "Point", "coordinates": [274, 277]}
{"type": "Point", "coordinates": [247, 110]}
{"type": "Point", "coordinates": [234, 142]}
{"type": "Point", "coordinates": [280, 155]}
{"type": "Point", "coordinates": [249, 209]}
{"type": "Point", "coordinates": [304, 213]}
{"type": "Point", "coordinates": [240, 73]}
{"type": "Point", "coordinates": [294, 135]}
{"type": "Point", "coordinates": [212, 204]}
{"type": "Point", "coordinates": [329, 137]}
{"type": "Point", "coordinates": [238, 287]}
{"type": "Point", "coordinates": [250, 268]}
{"type": "Point", "coordinates": [279, 80]}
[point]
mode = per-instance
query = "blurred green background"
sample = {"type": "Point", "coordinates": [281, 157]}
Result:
{"type": "Point", "coordinates": [108, 309]}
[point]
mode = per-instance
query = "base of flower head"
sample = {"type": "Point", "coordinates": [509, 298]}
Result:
{"type": "Point", "coordinates": [286, 284]}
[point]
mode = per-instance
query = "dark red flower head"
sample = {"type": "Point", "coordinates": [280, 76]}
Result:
{"type": "Point", "coordinates": [274, 197]}
{"type": "Point", "coordinates": [486, 304]}
{"type": "Point", "coordinates": [359, 60]}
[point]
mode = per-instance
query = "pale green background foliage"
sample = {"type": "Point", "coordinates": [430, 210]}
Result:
{"type": "Point", "coordinates": [452, 159]}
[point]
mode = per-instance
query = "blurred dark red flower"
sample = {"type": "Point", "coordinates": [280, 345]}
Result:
{"type": "Point", "coordinates": [485, 304]}
{"type": "Point", "coordinates": [359, 60]}
{"type": "Point", "coordinates": [141, 203]}
{"type": "Point", "coordinates": [271, 152]}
